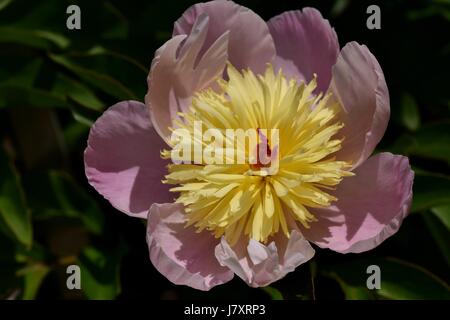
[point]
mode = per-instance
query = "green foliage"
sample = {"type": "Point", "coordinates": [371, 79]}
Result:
{"type": "Point", "coordinates": [430, 190]}
{"type": "Point", "coordinates": [410, 112]}
{"type": "Point", "coordinates": [399, 280]}
{"type": "Point", "coordinates": [36, 39]}
{"type": "Point", "coordinates": [99, 80]}
{"type": "Point", "coordinates": [274, 293]}
{"type": "Point", "coordinates": [440, 232]}
{"type": "Point", "coordinates": [55, 194]}
{"type": "Point", "coordinates": [11, 95]}
{"type": "Point", "coordinates": [14, 213]}
{"type": "Point", "coordinates": [402, 280]}
{"type": "Point", "coordinates": [33, 277]}
{"type": "Point", "coordinates": [432, 141]}
{"type": "Point", "coordinates": [443, 213]}
{"type": "Point", "coordinates": [100, 273]}
{"type": "Point", "coordinates": [50, 217]}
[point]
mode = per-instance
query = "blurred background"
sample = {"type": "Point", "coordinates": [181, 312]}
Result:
{"type": "Point", "coordinates": [55, 82]}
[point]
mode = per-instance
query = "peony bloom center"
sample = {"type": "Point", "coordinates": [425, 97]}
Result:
{"type": "Point", "coordinates": [254, 198]}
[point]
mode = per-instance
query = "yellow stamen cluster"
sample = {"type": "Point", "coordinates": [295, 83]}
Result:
{"type": "Point", "coordinates": [232, 200]}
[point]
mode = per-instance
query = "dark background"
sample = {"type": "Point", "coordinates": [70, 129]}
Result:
{"type": "Point", "coordinates": [55, 82]}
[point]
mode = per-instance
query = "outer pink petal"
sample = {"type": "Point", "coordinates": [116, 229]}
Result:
{"type": "Point", "coordinates": [122, 159]}
{"type": "Point", "coordinates": [259, 265]}
{"type": "Point", "coordinates": [180, 254]}
{"type": "Point", "coordinates": [370, 208]}
{"type": "Point", "coordinates": [179, 69]}
{"type": "Point", "coordinates": [358, 84]}
{"type": "Point", "coordinates": [305, 44]}
{"type": "Point", "coordinates": [250, 46]}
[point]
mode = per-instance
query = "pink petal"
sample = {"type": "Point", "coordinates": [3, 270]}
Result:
{"type": "Point", "coordinates": [358, 84]}
{"type": "Point", "coordinates": [179, 69]}
{"type": "Point", "coordinates": [370, 208]}
{"type": "Point", "coordinates": [305, 44]}
{"type": "Point", "coordinates": [259, 265]}
{"type": "Point", "coordinates": [122, 159]}
{"type": "Point", "coordinates": [250, 45]}
{"type": "Point", "coordinates": [182, 255]}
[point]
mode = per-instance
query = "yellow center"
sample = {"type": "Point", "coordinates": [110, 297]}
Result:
{"type": "Point", "coordinates": [235, 200]}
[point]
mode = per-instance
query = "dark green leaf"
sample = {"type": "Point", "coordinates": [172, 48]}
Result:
{"type": "Point", "coordinates": [354, 288]}
{"type": "Point", "coordinates": [443, 214]}
{"type": "Point", "coordinates": [430, 141]}
{"type": "Point", "coordinates": [82, 118]}
{"type": "Point", "coordinates": [13, 95]}
{"type": "Point", "coordinates": [26, 76]}
{"type": "Point", "coordinates": [98, 51]}
{"type": "Point", "coordinates": [354, 292]}
{"type": "Point", "coordinates": [428, 12]}
{"type": "Point", "coordinates": [33, 277]}
{"type": "Point", "coordinates": [38, 39]}
{"type": "Point", "coordinates": [440, 234]}
{"type": "Point", "coordinates": [430, 190]}
{"type": "Point", "coordinates": [102, 81]}
{"type": "Point", "coordinates": [56, 194]}
{"type": "Point", "coordinates": [410, 112]}
{"type": "Point", "coordinates": [274, 293]}
{"type": "Point", "coordinates": [339, 7]}
{"type": "Point", "coordinates": [403, 280]}
{"type": "Point", "coordinates": [78, 92]}
{"type": "Point", "coordinates": [119, 25]}
{"type": "Point", "coordinates": [13, 210]}
{"type": "Point", "coordinates": [399, 280]}
{"type": "Point", "coordinates": [8, 265]}
{"type": "Point", "coordinates": [75, 134]}
{"type": "Point", "coordinates": [100, 273]}
{"type": "Point", "coordinates": [4, 4]}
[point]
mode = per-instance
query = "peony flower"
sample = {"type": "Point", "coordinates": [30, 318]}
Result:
{"type": "Point", "coordinates": [228, 68]}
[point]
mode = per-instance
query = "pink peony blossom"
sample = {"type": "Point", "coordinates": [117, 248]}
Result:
{"type": "Point", "coordinates": [207, 223]}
